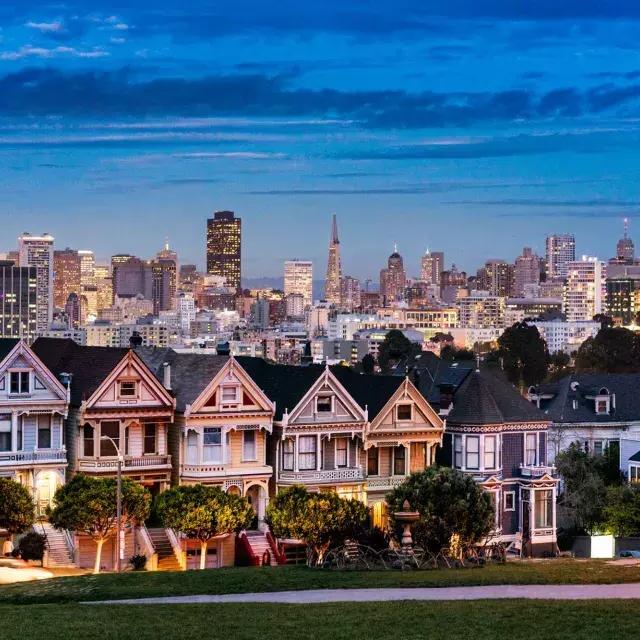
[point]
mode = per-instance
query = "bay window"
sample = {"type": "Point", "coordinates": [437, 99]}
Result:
{"type": "Point", "coordinates": [5, 432]}
{"type": "Point", "coordinates": [457, 452]}
{"type": "Point", "coordinates": [489, 452]}
{"type": "Point", "coordinates": [288, 451]}
{"type": "Point", "coordinates": [472, 452]}
{"type": "Point", "coordinates": [307, 453]}
{"type": "Point", "coordinates": [544, 509]}
{"type": "Point", "coordinates": [530, 449]}
{"type": "Point", "coordinates": [87, 441]}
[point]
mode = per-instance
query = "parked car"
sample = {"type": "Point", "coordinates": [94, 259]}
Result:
{"type": "Point", "coordinates": [630, 553]}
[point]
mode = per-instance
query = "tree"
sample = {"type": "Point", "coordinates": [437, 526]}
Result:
{"type": "Point", "coordinates": [613, 350]}
{"type": "Point", "coordinates": [621, 514]}
{"type": "Point", "coordinates": [201, 513]}
{"type": "Point", "coordinates": [524, 354]}
{"type": "Point", "coordinates": [17, 510]}
{"type": "Point", "coordinates": [323, 520]}
{"type": "Point", "coordinates": [604, 320]}
{"type": "Point", "coordinates": [368, 364]}
{"type": "Point", "coordinates": [89, 505]}
{"type": "Point", "coordinates": [395, 347]}
{"type": "Point", "coordinates": [450, 354]}
{"type": "Point", "coordinates": [449, 502]}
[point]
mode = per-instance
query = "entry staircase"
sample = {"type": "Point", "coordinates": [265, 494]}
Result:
{"type": "Point", "coordinates": [167, 560]}
{"type": "Point", "coordinates": [259, 544]}
{"type": "Point", "coordinates": [58, 546]}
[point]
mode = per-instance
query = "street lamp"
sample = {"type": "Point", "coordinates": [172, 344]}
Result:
{"type": "Point", "coordinates": [119, 548]}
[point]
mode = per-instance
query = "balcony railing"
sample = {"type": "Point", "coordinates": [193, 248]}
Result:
{"type": "Point", "coordinates": [389, 482]}
{"type": "Point", "coordinates": [349, 474]}
{"type": "Point", "coordinates": [536, 471]}
{"type": "Point", "coordinates": [12, 458]}
{"type": "Point", "coordinates": [221, 470]}
{"type": "Point", "coordinates": [130, 462]}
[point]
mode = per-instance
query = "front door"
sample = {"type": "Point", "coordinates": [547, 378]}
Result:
{"type": "Point", "coordinates": [44, 493]}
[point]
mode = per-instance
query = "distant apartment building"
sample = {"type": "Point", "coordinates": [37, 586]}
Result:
{"type": "Point", "coordinates": [481, 310]}
{"type": "Point", "coordinates": [18, 301]}
{"type": "Point", "coordinates": [519, 309]}
{"type": "Point", "coordinates": [119, 335]}
{"type": "Point", "coordinates": [496, 277]}
{"type": "Point", "coordinates": [431, 267]}
{"type": "Point", "coordinates": [526, 271]}
{"type": "Point", "coordinates": [560, 251]}
{"type": "Point", "coordinates": [584, 290]}
{"type": "Point", "coordinates": [66, 276]}
{"type": "Point", "coordinates": [566, 336]}
{"type": "Point", "coordinates": [37, 252]}
{"type": "Point", "coordinates": [351, 293]}
{"type": "Point", "coordinates": [298, 280]}
{"type": "Point", "coordinates": [622, 297]}
{"type": "Point", "coordinates": [393, 280]}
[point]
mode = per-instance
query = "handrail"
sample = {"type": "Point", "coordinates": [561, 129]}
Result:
{"type": "Point", "coordinates": [148, 548]}
{"type": "Point", "coordinates": [278, 553]}
{"type": "Point", "coordinates": [243, 547]}
{"type": "Point", "coordinates": [177, 548]}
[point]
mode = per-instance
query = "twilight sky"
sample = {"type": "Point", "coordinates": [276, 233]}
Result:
{"type": "Point", "coordinates": [471, 126]}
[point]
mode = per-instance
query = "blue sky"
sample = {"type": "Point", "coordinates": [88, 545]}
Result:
{"type": "Point", "coordinates": [475, 127]}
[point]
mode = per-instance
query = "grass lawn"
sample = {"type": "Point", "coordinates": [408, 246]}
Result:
{"type": "Point", "coordinates": [239, 580]}
{"type": "Point", "coordinates": [482, 620]}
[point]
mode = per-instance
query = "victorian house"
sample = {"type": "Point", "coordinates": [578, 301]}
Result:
{"type": "Point", "coordinates": [497, 436]}
{"type": "Point", "coordinates": [33, 407]}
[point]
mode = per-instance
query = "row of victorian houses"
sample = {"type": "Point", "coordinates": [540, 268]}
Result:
{"type": "Point", "coordinates": [252, 427]}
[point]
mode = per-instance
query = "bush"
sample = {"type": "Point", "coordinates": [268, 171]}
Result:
{"type": "Point", "coordinates": [32, 546]}
{"type": "Point", "coordinates": [138, 563]}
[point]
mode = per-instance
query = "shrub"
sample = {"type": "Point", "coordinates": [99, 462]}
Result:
{"type": "Point", "coordinates": [138, 563]}
{"type": "Point", "coordinates": [32, 546]}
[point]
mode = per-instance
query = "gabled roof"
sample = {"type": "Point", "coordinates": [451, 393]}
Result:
{"type": "Point", "coordinates": [6, 346]}
{"type": "Point", "coordinates": [487, 397]}
{"type": "Point", "coordinates": [89, 366]}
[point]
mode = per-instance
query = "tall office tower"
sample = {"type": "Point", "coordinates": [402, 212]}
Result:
{"type": "Point", "coordinates": [104, 286]}
{"type": "Point", "coordinates": [625, 249]}
{"type": "Point", "coordinates": [224, 247]}
{"type": "Point", "coordinates": [66, 276]}
{"type": "Point", "coordinates": [561, 249]}
{"type": "Point", "coordinates": [131, 276]}
{"type": "Point", "coordinates": [298, 279]}
{"type": "Point", "coordinates": [334, 267]}
{"type": "Point", "coordinates": [169, 259]}
{"type": "Point", "coordinates": [393, 279]}
{"type": "Point", "coordinates": [18, 301]}
{"type": "Point", "coordinates": [526, 271]}
{"type": "Point", "coordinates": [351, 293]}
{"type": "Point", "coordinates": [432, 267]}
{"type": "Point", "coordinates": [163, 283]}
{"type": "Point", "coordinates": [621, 299]}
{"type": "Point", "coordinates": [496, 277]}
{"type": "Point", "coordinates": [73, 311]}
{"type": "Point", "coordinates": [585, 289]}
{"type": "Point", "coordinates": [37, 251]}
{"type": "Point", "coordinates": [87, 268]}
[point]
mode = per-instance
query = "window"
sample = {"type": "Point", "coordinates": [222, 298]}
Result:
{"type": "Point", "coordinates": [372, 461]}
{"type": "Point", "coordinates": [44, 432]}
{"type": "Point", "coordinates": [112, 430]}
{"type": "Point", "coordinates": [229, 394]}
{"type": "Point", "coordinates": [307, 454]}
{"type": "Point", "coordinates": [5, 432]}
{"type": "Point", "coordinates": [634, 474]}
{"type": "Point", "coordinates": [342, 452]}
{"type": "Point", "coordinates": [473, 452]}
{"type": "Point", "coordinates": [249, 451]}
{"type": "Point", "coordinates": [324, 404]}
{"type": "Point", "coordinates": [399, 461]}
{"type": "Point", "coordinates": [510, 501]}
{"type": "Point", "coordinates": [192, 447]}
{"type": "Point", "coordinates": [544, 509]}
{"type": "Point", "coordinates": [288, 450]}
{"type": "Point", "coordinates": [602, 406]}
{"type": "Point", "coordinates": [403, 412]}
{"type": "Point", "coordinates": [457, 452]}
{"type": "Point", "coordinates": [87, 440]}
{"type": "Point", "coordinates": [19, 382]}
{"type": "Point", "coordinates": [212, 449]}
{"type": "Point", "coordinates": [128, 389]}
{"type": "Point", "coordinates": [150, 439]}
{"type": "Point", "coordinates": [489, 452]}
{"type": "Point", "coordinates": [530, 449]}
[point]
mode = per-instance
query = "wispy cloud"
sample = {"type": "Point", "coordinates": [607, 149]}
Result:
{"type": "Point", "coordinates": [29, 51]}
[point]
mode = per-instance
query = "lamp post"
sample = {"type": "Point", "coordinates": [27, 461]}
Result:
{"type": "Point", "coordinates": [118, 503]}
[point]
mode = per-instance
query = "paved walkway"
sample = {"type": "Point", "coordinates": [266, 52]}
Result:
{"type": "Point", "coordinates": [533, 592]}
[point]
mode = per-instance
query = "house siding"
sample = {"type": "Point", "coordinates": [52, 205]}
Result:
{"type": "Point", "coordinates": [512, 454]}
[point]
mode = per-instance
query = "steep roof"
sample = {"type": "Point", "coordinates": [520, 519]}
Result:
{"type": "Point", "coordinates": [6, 346]}
{"type": "Point", "coordinates": [487, 397]}
{"type": "Point", "coordinates": [88, 366]}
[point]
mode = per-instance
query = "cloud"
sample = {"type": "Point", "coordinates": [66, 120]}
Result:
{"type": "Point", "coordinates": [29, 51]}
{"type": "Point", "coordinates": [535, 202]}
{"type": "Point", "coordinates": [46, 27]}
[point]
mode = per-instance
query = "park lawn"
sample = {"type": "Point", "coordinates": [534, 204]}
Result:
{"type": "Point", "coordinates": [480, 620]}
{"type": "Point", "coordinates": [241, 580]}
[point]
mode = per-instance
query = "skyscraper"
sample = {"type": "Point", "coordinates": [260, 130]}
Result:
{"type": "Point", "coordinates": [584, 290]}
{"type": "Point", "coordinates": [224, 247]}
{"type": "Point", "coordinates": [432, 267]}
{"type": "Point", "coordinates": [393, 279]}
{"type": "Point", "coordinates": [496, 277]}
{"type": "Point", "coordinates": [334, 267]}
{"type": "Point", "coordinates": [298, 279]}
{"type": "Point", "coordinates": [561, 249]}
{"type": "Point", "coordinates": [131, 276]}
{"type": "Point", "coordinates": [37, 251]}
{"type": "Point", "coordinates": [625, 249]}
{"type": "Point", "coordinates": [18, 301]}
{"type": "Point", "coordinates": [351, 293]}
{"type": "Point", "coordinates": [66, 275]}
{"type": "Point", "coordinates": [526, 271]}
{"type": "Point", "coordinates": [166, 262]}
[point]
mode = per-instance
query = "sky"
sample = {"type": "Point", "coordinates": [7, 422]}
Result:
{"type": "Point", "coordinates": [475, 127]}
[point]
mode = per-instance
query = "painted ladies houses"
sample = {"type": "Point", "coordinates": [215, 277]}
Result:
{"type": "Point", "coordinates": [497, 436]}
{"type": "Point", "coordinates": [116, 405]}
{"type": "Point", "coordinates": [33, 406]}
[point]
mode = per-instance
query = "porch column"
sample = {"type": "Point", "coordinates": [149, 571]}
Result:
{"type": "Point", "coordinates": [407, 462]}
{"type": "Point", "coordinates": [224, 432]}
{"type": "Point", "coordinates": [14, 431]}
{"type": "Point", "coordinates": [61, 423]}
{"type": "Point", "coordinates": [200, 446]}
{"type": "Point", "coordinates": [296, 466]}
{"type": "Point", "coordinates": [318, 453]}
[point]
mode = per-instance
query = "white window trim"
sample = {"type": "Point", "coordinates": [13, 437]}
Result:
{"type": "Point", "coordinates": [374, 475]}
{"type": "Point", "coordinates": [477, 453]}
{"type": "Point", "coordinates": [537, 450]}
{"type": "Point", "coordinates": [136, 393]}
{"type": "Point", "coordinates": [495, 452]}
{"type": "Point", "coordinates": [513, 502]}
{"type": "Point", "coordinates": [404, 404]}
{"type": "Point", "coordinates": [335, 453]}
{"type": "Point", "coordinates": [393, 461]}
{"type": "Point", "coordinates": [255, 446]}
{"type": "Point", "coordinates": [236, 397]}
{"type": "Point", "coordinates": [19, 393]}
{"type": "Point", "coordinates": [333, 406]}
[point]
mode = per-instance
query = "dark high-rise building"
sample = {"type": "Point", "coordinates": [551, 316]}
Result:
{"type": "Point", "coordinates": [18, 301]}
{"type": "Point", "coordinates": [224, 244]}
{"type": "Point", "coordinates": [66, 275]}
{"type": "Point", "coordinates": [131, 276]}
{"type": "Point", "coordinates": [625, 249]}
{"type": "Point", "coordinates": [393, 279]}
{"type": "Point", "coordinates": [621, 299]}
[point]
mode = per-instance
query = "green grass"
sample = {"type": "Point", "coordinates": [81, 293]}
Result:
{"type": "Point", "coordinates": [239, 580]}
{"type": "Point", "coordinates": [512, 620]}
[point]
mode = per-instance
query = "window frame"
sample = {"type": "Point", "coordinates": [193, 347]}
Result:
{"type": "Point", "coordinates": [128, 396]}
{"type": "Point", "coordinates": [253, 455]}
{"type": "Point", "coordinates": [512, 495]}
{"type": "Point", "coordinates": [229, 387]}
{"type": "Point", "coordinates": [23, 376]}
{"type": "Point", "coordinates": [527, 449]}
{"type": "Point", "coordinates": [340, 450]}
{"type": "Point", "coordinates": [310, 453]}
{"type": "Point", "coordinates": [548, 509]}
{"type": "Point", "coordinates": [147, 438]}
{"type": "Point", "coordinates": [324, 397]}
{"type": "Point", "coordinates": [458, 462]}
{"type": "Point", "coordinates": [490, 467]}
{"type": "Point", "coordinates": [40, 430]}
{"type": "Point", "coordinates": [107, 444]}
{"type": "Point", "coordinates": [402, 458]}
{"type": "Point", "coordinates": [212, 446]}
{"type": "Point", "coordinates": [468, 453]}
{"type": "Point", "coordinates": [370, 461]}
{"type": "Point", "coordinates": [286, 466]}
{"type": "Point", "coordinates": [404, 405]}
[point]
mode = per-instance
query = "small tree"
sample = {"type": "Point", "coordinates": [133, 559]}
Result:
{"type": "Point", "coordinates": [613, 350]}
{"type": "Point", "coordinates": [286, 512]}
{"type": "Point", "coordinates": [396, 346]}
{"type": "Point", "coordinates": [202, 513]}
{"type": "Point", "coordinates": [450, 504]}
{"type": "Point", "coordinates": [17, 510]}
{"type": "Point", "coordinates": [621, 514]}
{"type": "Point", "coordinates": [368, 364]}
{"type": "Point", "coordinates": [89, 505]}
{"type": "Point", "coordinates": [524, 354]}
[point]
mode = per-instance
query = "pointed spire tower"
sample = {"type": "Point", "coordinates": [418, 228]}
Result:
{"type": "Point", "coordinates": [625, 249]}
{"type": "Point", "coordinates": [332, 287]}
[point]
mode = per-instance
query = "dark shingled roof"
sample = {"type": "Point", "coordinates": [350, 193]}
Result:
{"type": "Point", "coordinates": [6, 346]}
{"type": "Point", "coordinates": [89, 366]}
{"type": "Point", "coordinates": [624, 386]}
{"type": "Point", "coordinates": [487, 397]}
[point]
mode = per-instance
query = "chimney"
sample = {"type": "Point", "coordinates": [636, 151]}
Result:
{"type": "Point", "coordinates": [166, 375]}
{"type": "Point", "coordinates": [446, 396]}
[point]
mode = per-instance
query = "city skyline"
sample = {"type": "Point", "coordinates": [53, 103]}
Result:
{"type": "Point", "coordinates": [147, 118]}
